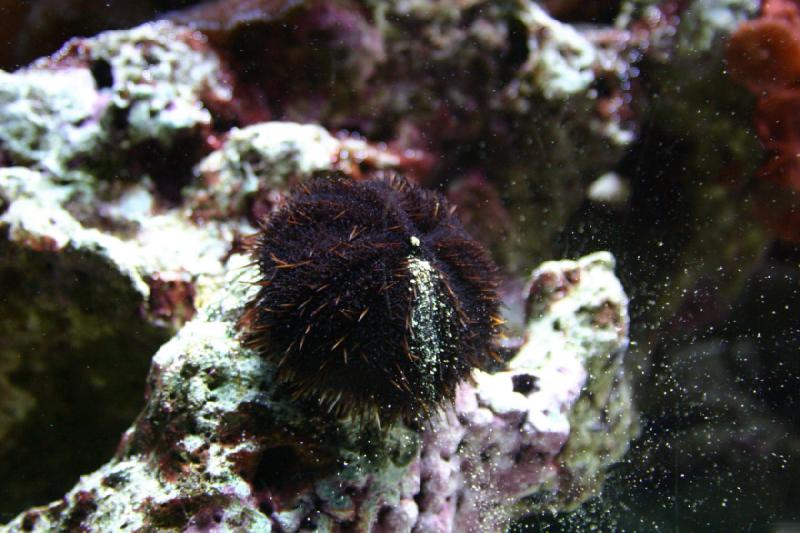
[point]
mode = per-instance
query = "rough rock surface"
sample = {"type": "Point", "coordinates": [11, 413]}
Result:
{"type": "Point", "coordinates": [217, 447]}
{"type": "Point", "coordinates": [537, 107]}
{"type": "Point", "coordinates": [97, 276]}
{"type": "Point", "coordinates": [132, 169]}
{"type": "Point", "coordinates": [106, 108]}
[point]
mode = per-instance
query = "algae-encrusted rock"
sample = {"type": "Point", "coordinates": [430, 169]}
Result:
{"type": "Point", "coordinates": [219, 445]}
{"type": "Point", "coordinates": [134, 169]}
{"type": "Point", "coordinates": [112, 105]}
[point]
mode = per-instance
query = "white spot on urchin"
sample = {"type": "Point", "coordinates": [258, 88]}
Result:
{"type": "Point", "coordinates": [415, 242]}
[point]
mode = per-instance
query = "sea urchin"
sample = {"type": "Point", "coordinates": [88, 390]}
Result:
{"type": "Point", "coordinates": [374, 300]}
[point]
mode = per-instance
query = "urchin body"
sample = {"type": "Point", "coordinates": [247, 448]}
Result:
{"type": "Point", "coordinates": [374, 300]}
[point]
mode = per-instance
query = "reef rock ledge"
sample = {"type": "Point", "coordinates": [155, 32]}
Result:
{"type": "Point", "coordinates": [217, 448]}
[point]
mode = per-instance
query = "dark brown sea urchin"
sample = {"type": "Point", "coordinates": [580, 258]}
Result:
{"type": "Point", "coordinates": [374, 300]}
